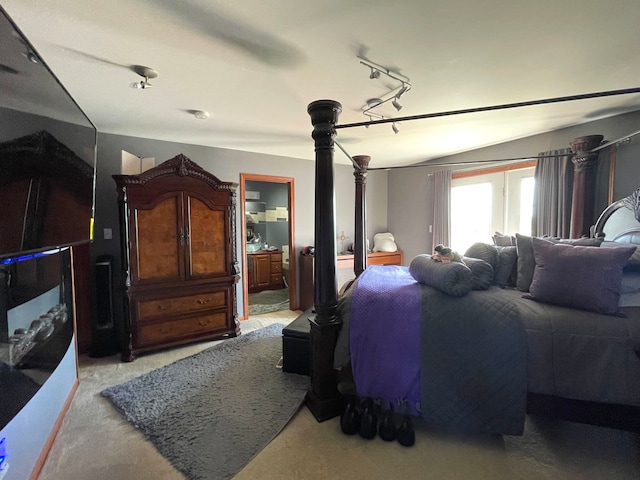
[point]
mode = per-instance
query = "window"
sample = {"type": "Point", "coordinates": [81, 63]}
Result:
{"type": "Point", "coordinates": [491, 202]}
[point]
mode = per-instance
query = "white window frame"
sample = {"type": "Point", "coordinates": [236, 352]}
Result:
{"type": "Point", "coordinates": [505, 217]}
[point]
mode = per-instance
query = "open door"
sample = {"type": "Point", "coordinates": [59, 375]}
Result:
{"type": "Point", "coordinates": [268, 227]}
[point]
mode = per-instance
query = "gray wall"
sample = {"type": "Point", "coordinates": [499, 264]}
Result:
{"type": "Point", "coordinates": [227, 166]}
{"type": "Point", "coordinates": [411, 191]}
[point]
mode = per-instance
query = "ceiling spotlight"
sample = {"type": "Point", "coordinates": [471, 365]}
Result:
{"type": "Point", "coordinates": [201, 114]}
{"type": "Point", "coordinates": [402, 90]}
{"type": "Point", "coordinates": [374, 74]}
{"type": "Point", "coordinates": [32, 57]}
{"type": "Point", "coordinates": [146, 73]}
{"type": "Point", "coordinates": [394, 128]}
{"type": "Point", "coordinates": [396, 105]}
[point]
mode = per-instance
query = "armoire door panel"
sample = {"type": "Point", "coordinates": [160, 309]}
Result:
{"type": "Point", "coordinates": [157, 242]}
{"type": "Point", "coordinates": [207, 240]}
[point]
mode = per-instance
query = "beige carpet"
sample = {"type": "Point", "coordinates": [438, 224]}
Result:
{"type": "Point", "coordinates": [96, 443]}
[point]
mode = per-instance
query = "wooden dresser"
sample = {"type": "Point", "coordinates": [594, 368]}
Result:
{"type": "Point", "coordinates": [264, 271]}
{"type": "Point", "coordinates": [342, 261]}
{"type": "Point", "coordinates": [179, 264]}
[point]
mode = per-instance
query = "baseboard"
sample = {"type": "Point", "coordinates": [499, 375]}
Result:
{"type": "Point", "coordinates": [42, 458]}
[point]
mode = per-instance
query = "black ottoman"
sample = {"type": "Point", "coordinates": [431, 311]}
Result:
{"type": "Point", "coordinates": [295, 344]}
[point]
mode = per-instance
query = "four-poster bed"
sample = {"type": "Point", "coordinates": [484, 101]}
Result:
{"type": "Point", "coordinates": [326, 324]}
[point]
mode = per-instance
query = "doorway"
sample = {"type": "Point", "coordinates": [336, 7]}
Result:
{"type": "Point", "coordinates": [267, 207]}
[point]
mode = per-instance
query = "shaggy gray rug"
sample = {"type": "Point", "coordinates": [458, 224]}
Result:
{"type": "Point", "coordinates": [211, 413]}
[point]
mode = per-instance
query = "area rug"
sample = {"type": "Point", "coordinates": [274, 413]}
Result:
{"type": "Point", "coordinates": [211, 413]}
{"type": "Point", "coordinates": [268, 301]}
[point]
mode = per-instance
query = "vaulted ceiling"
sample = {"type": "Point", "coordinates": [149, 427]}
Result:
{"type": "Point", "coordinates": [255, 65]}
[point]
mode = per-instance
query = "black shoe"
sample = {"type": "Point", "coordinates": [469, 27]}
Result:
{"type": "Point", "coordinates": [350, 419]}
{"type": "Point", "coordinates": [368, 420]}
{"type": "Point", "coordinates": [406, 434]}
{"type": "Point", "coordinates": [387, 429]}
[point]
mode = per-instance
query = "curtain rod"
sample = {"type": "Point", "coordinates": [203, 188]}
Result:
{"type": "Point", "coordinates": [497, 160]}
{"type": "Point", "coordinates": [471, 162]}
{"type": "Point", "coordinates": [614, 142]}
{"type": "Point", "coordinates": [503, 106]}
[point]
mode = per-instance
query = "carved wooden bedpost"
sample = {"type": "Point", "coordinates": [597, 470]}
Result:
{"type": "Point", "coordinates": [323, 398]}
{"type": "Point", "coordinates": [360, 240]}
{"type": "Point", "coordinates": [584, 184]}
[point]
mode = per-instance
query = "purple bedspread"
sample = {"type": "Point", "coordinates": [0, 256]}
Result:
{"type": "Point", "coordinates": [386, 357]}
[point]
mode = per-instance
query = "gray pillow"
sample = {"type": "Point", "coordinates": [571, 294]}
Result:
{"type": "Point", "coordinates": [634, 261]}
{"type": "Point", "coordinates": [630, 290]}
{"type": "Point", "coordinates": [526, 261]}
{"type": "Point", "coordinates": [506, 273]}
{"type": "Point", "coordinates": [452, 278]}
{"type": "Point", "coordinates": [585, 278]}
{"type": "Point", "coordinates": [502, 240]}
{"type": "Point", "coordinates": [481, 271]}
{"type": "Point", "coordinates": [484, 251]}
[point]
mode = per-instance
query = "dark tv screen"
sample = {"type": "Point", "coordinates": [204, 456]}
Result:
{"type": "Point", "coordinates": [47, 154]}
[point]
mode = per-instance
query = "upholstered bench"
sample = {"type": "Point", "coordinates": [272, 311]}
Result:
{"type": "Point", "coordinates": [295, 344]}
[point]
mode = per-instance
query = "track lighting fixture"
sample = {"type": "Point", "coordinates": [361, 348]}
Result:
{"type": "Point", "coordinates": [146, 73]}
{"type": "Point", "coordinates": [393, 95]}
{"type": "Point", "coordinates": [394, 128]}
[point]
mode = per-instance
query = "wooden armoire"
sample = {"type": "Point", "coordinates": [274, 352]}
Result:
{"type": "Point", "coordinates": [179, 263]}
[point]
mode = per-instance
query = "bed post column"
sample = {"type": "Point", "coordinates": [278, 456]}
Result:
{"type": "Point", "coordinates": [584, 183]}
{"type": "Point", "coordinates": [360, 240]}
{"type": "Point", "coordinates": [323, 398]}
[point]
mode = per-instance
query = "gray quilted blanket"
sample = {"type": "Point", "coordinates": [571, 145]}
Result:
{"type": "Point", "coordinates": [473, 362]}
{"type": "Point", "coordinates": [472, 357]}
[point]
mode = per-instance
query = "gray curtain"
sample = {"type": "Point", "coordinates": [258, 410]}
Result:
{"type": "Point", "coordinates": [552, 194]}
{"type": "Point", "coordinates": [441, 207]}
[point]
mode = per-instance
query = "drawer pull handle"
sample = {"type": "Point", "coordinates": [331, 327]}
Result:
{"type": "Point", "coordinates": [204, 323]}
{"type": "Point", "coordinates": [203, 302]}
{"type": "Point", "coordinates": [162, 307]}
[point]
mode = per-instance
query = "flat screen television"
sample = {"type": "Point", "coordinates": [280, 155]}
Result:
{"type": "Point", "coordinates": [47, 154]}
{"type": "Point", "coordinates": [47, 184]}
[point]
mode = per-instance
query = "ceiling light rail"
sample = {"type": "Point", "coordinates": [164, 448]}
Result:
{"type": "Point", "coordinates": [393, 95]}
{"type": "Point", "coordinates": [503, 106]}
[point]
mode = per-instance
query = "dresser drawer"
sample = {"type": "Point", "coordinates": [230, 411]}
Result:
{"type": "Point", "coordinates": [187, 303]}
{"type": "Point", "coordinates": [276, 279]}
{"type": "Point", "coordinates": [276, 267]}
{"type": "Point", "coordinates": [276, 257]}
{"type": "Point", "coordinates": [175, 329]}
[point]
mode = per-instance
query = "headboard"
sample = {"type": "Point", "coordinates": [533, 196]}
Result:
{"type": "Point", "coordinates": [620, 221]}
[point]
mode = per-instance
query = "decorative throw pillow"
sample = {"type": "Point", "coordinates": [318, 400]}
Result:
{"type": "Point", "coordinates": [507, 270]}
{"type": "Point", "coordinates": [634, 261]}
{"type": "Point", "coordinates": [481, 271]}
{"type": "Point", "coordinates": [452, 278]}
{"type": "Point", "coordinates": [384, 242]}
{"type": "Point", "coordinates": [526, 261]}
{"type": "Point", "coordinates": [502, 240]}
{"type": "Point", "coordinates": [585, 278]}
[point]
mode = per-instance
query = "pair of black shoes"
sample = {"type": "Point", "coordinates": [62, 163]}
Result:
{"type": "Point", "coordinates": [364, 420]}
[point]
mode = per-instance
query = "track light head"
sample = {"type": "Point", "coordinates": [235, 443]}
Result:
{"type": "Point", "coordinates": [396, 105]}
{"type": "Point", "coordinates": [402, 90]}
{"type": "Point", "coordinates": [394, 128]}
{"type": "Point", "coordinates": [374, 73]}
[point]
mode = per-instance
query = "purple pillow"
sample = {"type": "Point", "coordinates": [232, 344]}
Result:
{"type": "Point", "coordinates": [586, 278]}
